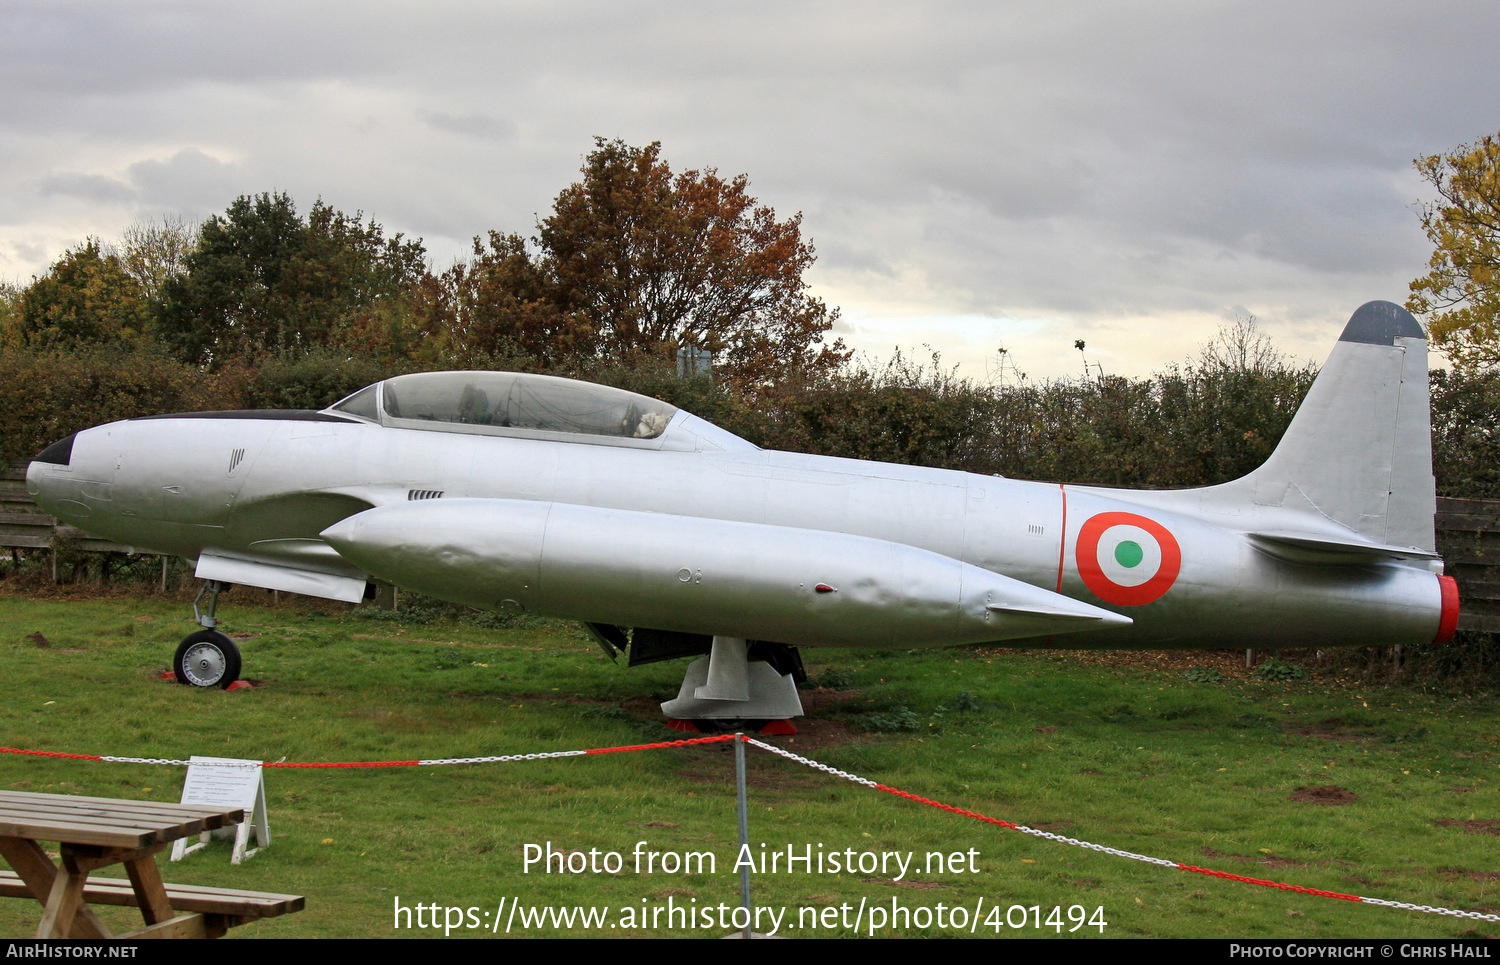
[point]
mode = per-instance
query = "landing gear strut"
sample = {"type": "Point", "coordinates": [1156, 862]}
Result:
{"type": "Point", "coordinates": [207, 658]}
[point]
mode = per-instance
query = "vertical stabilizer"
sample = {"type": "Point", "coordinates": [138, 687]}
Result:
{"type": "Point", "coordinates": [1359, 450]}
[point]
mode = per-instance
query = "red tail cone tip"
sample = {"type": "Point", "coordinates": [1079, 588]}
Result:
{"type": "Point", "coordinates": [1448, 621]}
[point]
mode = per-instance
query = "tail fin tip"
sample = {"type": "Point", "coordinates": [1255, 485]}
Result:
{"type": "Point", "coordinates": [1381, 323]}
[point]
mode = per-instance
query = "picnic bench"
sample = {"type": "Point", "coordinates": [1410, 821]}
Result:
{"type": "Point", "coordinates": [95, 833]}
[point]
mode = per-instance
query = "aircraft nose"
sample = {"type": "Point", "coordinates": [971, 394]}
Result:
{"type": "Point", "coordinates": [72, 472]}
{"type": "Point", "coordinates": [60, 453]}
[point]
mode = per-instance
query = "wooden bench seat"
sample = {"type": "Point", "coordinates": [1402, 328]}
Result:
{"type": "Point", "coordinates": [222, 908]}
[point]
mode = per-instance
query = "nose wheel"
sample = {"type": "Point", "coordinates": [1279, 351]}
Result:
{"type": "Point", "coordinates": [207, 659]}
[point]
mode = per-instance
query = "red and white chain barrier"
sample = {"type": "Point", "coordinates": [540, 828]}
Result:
{"type": "Point", "coordinates": [809, 762]}
{"type": "Point", "coordinates": [501, 759]}
{"type": "Point", "coordinates": [1162, 862]}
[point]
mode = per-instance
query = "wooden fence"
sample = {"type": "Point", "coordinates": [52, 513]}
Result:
{"type": "Point", "coordinates": [1468, 537]}
{"type": "Point", "coordinates": [23, 525]}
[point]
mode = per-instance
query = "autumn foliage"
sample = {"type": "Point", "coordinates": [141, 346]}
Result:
{"type": "Point", "coordinates": [637, 262]}
{"type": "Point", "coordinates": [649, 261]}
{"type": "Point", "coordinates": [1460, 294]}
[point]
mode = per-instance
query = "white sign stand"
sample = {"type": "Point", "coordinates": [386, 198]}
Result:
{"type": "Point", "coordinates": [242, 786]}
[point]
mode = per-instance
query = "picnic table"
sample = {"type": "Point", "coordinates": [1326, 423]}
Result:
{"type": "Point", "coordinates": [95, 833]}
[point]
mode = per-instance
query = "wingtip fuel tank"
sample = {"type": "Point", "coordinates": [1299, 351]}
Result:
{"type": "Point", "coordinates": [699, 575]}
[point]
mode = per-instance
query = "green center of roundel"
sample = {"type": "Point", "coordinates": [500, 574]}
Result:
{"type": "Point", "coordinates": [1128, 553]}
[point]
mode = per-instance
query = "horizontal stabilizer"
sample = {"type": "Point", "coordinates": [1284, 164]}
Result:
{"type": "Point", "coordinates": [1302, 548]}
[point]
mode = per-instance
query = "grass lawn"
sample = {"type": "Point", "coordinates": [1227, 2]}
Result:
{"type": "Point", "coordinates": [1381, 792]}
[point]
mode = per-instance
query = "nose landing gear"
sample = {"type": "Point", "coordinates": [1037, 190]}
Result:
{"type": "Point", "coordinates": [207, 658]}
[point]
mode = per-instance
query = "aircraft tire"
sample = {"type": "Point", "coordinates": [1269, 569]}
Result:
{"type": "Point", "coordinates": [207, 659]}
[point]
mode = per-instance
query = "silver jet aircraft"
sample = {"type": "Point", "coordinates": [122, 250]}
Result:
{"type": "Point", "coordinates": [668, 536]}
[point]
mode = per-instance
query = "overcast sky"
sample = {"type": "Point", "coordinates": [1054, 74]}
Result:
{"type": "Point", "coordinates": [974, 175]}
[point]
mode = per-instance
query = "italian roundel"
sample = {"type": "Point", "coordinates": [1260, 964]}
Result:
{"type": "Point", "coordinates": [1127, 560]}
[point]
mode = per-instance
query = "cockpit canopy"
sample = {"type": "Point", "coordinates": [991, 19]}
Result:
{"type": "Point", "coordinates": [499, 403]}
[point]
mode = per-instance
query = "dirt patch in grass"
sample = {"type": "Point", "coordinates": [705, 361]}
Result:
{"type": "Point", "coordinates": [1264, 860]}
{"type": "Point", "coordinates": [1485, 826]}
{"type": "Point", "coordinates": [913, 885]}
{"type": "Point", "coordinates": [1229, 663]}
{"type": "Point", "coordinates": [814, 733]}
{"type": "Point", "coordinates": [1333, 729]}
{"type": "Point", "coordinates": [820, 699]}
{"type": "Point", "coordinates": [824, 696]}
{"type": "Point", "coordinates": [560, 698]}
{"type": "Point", "coordinates": [716, 766]}
{"type": "Point", "coordinates": [1327, 794]}
{"type": "Point", "coordinates": [1453, 874]}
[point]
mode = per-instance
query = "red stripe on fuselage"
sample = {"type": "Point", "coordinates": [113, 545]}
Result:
{"type": "Point", "coordinates": [1062, 539]}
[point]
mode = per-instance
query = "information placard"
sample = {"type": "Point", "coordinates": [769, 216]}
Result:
{"type": "Point", "coordinates": [230, 783]}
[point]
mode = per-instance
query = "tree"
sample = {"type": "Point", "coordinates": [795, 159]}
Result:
{"type": "Point", "coordinates": [154, 252]}
{"type": "Point", "coordinates": [1460, 295]}
{"type": "Point", "coordinates": [1242, 348]}
{"type": "Point", "coordinates": [500, 305]}
{"type": "Point", "coordinates": [647, 261]}
{"type": "Point", "coordinates": [908, 411]}
{"type": "Point", "coordinates": [58, 391]}
{"type": "Point", "coordinates": [1466, 433]}
{"type": "Point", "coordinates": [86, 298]}
{"type": "Point", "coordinates": [263, 278]}
{"type": "Point", "coordinates": [10, 315]}
{"type": "Point", "coordinates": [1225, 413]}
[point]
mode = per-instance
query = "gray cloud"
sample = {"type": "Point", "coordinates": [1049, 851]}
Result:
{"type": "Point", "coordinates": [87, 187]}
{"type": "Point", "coordinates": [469, 125]}
{"type": "Point", "coordinates": [1022, 160]}
{"type": "Point", "coordinates": [190, 183]}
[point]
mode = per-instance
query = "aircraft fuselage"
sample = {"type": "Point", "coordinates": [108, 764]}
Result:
{"type": "Point", "coordinates": [1185, 572]}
